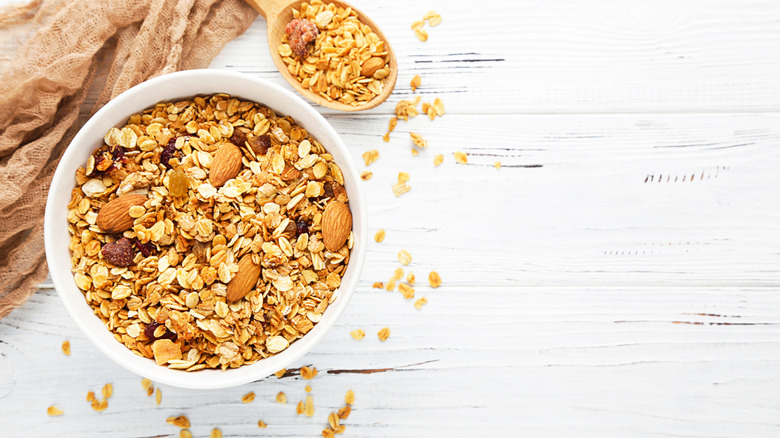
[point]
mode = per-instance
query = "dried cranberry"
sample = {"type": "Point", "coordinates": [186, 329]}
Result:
{"type": "Point", "coordinates": [119, 252]}
{"type": "Point", "coordinates": [238, 138]}
{"type": "Point", "coordinates": [301, 35]}
{"type": "Point", "coordinates": [146, 249]}
{"type": "Point", "coordinates": [260, 144]}
{"type": "Point", "coordinates": [103, 164]}
{"type": "Point", "coordinates": [152, 327]}
{"type": "Point", "coordinates": [303, 226]}
{"type": "Point", "coordinates": [118, 154]}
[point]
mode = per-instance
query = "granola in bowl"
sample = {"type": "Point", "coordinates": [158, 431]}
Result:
{"type": "Point", "coordinates": [209, 232]}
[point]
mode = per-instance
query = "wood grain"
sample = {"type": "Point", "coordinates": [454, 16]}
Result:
{"type": "Point", "coordinates": [617, 276]}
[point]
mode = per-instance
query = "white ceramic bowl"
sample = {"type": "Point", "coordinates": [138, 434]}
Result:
{"type": "Point", "coordinates": [170, 88]}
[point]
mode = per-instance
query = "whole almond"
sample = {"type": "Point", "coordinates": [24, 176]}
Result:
{"type": "Point", "coordinates": [336, 225]}
{"type": "Point", "coordinates": [225, 165]}
{"type": "Point", "coordinates": [244, 280]}
{"type": "Point", "coordinates": [371, 65]}
{"type": "Point", "coordinates": [115, 217]}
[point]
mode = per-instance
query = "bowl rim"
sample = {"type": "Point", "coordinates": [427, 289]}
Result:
{"type": "Point", "coordinates": [63, 278]}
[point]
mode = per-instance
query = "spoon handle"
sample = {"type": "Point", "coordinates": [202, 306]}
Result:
{"type": "Point", "coordinates": [269, 8]}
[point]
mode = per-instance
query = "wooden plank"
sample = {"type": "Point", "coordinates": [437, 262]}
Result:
{"type": "Point", "coordinates": [606, 361]}
{"type": "Point", "coordinates": [563, 57]}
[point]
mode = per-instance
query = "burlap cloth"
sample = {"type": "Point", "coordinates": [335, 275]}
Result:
{"type": "Point", "coordinates": [67, 50]}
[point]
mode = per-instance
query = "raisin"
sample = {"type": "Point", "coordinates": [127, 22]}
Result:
{"type": "Point", "coordinates": [152, 327]}
{"type": "Point", "coordinates": [301, 35]}
{"type": "Point", "coordinates": [119, 252]}
{"type": "Point", "coordinates": [303, 226]}
{"type": "Point", "coordinates": [146, 249]}
{"type": "Point", "coordinates": [200, 250]}
{"type": "Point", "coordinates": [260, 144]}
{"type": "Point", "coordinates": [238, 138]}
{"type": "Point", "coordinates": [168, 152]}
{"type": "Point", "coordinates": [327, 190]}
{"type": "Point", "coordinates": [290, 231]}
{"type": "Point", "coordinates": [178, 183]}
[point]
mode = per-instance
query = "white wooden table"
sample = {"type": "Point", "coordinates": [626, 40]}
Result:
{"type": "Point", "coordinates": [619, 275]}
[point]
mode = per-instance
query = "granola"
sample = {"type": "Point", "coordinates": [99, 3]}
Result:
{"type": "Point", "coordinates": [202, 215]}
{"type": "Point", "coordinates": [334, 54]}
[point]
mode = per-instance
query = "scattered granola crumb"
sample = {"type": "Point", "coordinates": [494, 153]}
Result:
{"type": "Point", "coordinates": [392, 124]}
{"type": "Point", "coordinates": [299, 408]}
{"type": "Point", "coordinates": [308, 373]}
{"type": "Point", "coordinates": [333, 420]}
{"type": "Point", "coordinates": [390, 285]}
{"type": "Point", "coordinates": [90, 396]}
{"type": "Point", "coordinates": [261, 424]}
{"type": "Point", "coordinates": [410, 278]}
{"type": "Point", "coordinates": [398, 274]}
{"type": "Point", "coordinates": [414, 152]}
{"type": "Point", "coordinates": [404, 257]}
{"type": "Point", "coordinates": [158, 396]}
{"type": "Point", "coordinates": [379, 236]}
{"type": "Point", "coordinates": [420, 303]}
{"type": "Point", "coordinates": [386, 137]}
{"type": "Point", "coordinates": [215, 433]}
{"type": "Point", "coordinates": [497, 164]}
{"type": "Point", "coordinates": [406, 290]}
{"type": "Point", "coordinates": [108, 390]}
{"type": "Point", "coordinates": [370, 156]}
{"type": "Point", "coordinates": [438, 107]}
{"type": "Point", "coordinates": [66, 348]}
{"type": "Point", "coordinates": [421, 34]}
{"type": "Point", "coordinates": [357, 334]}
{"type": "Point", "coordinates": [365, 176]}
{"type": "Point", "coordinates": [416, 82]}
{"type": "Point", "coordinates": [418, 140]}
{"type": "Point", "coordinates": [281, 398]}
{"type": "Point", "coordinates": [327, 433]}
{"type": "Point", "coordinates": [99, 405]}
{"type": "Point", "coordinates": [184, 433]}
{"type": "Point", "coordinates": [434, 279]}
{"type": "Point", "coordinates": [345, 411]}
{"type": "Point", "coordinates": [180, 421]}
{"type": "Point", "coordinates": [349, 398]}
{"type": "Point", "coordinates": [407, 109]}
{"type": "Point", "coordinates": [54, 411]}
{"type": "Point", "coordinates": [280, 373]}
{"type": "Point", "coordinates": [383, 334]}
{"type": "Point", "coordinates": [249, 397]}
{"type": "Point", "coordinates": [378, 285]}
{"type": "Point", "coordinates": [308, 408]}
{"type": "Point", "coordinates": [400, 188]}
{"type": "Point", "coordinates": [403, 177]}
{"type": "Point", "coordinates": [438, 159]}
{"type": "Point", "coordinates": [148, 387]}
{"type": "Point", "coordinates": [461, 157]}
{"type": "Point", "coordinates": [433, 18]}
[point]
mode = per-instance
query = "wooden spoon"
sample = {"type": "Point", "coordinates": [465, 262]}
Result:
{"type": "Point", "coordinates": [278, 13]}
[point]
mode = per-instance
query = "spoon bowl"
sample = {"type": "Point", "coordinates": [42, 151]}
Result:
{"type": "Point", "coordinates": [279, 12]}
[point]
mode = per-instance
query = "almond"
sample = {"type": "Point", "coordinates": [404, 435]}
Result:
{"type": "Point", "coordinates": [336, 225]}
{"type": "Point", "coordinates": [371, 65]}
{"type": "Point", "coordinates": [115, 217]}
{"type": "Point", "coordinates": [244, 280]}
{"type": "Point", "coordinates": [225, 165]}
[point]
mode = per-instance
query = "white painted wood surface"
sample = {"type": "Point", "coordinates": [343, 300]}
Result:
{"type": "Point", "coordinates": [618, 276]}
